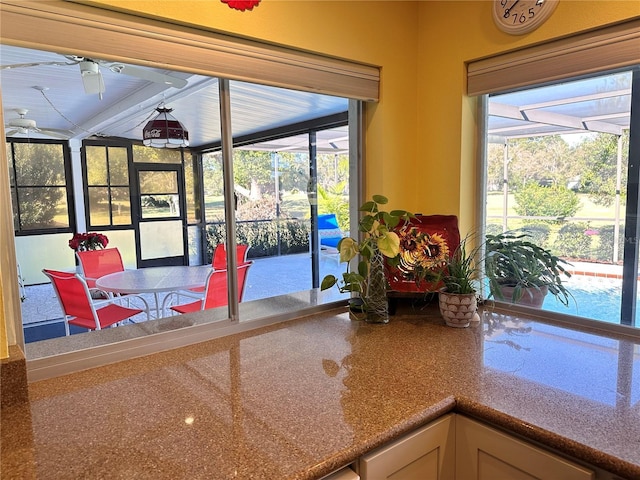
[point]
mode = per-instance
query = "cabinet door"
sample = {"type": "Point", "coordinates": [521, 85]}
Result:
{"type": "Point", "coordinates": [484, 453]}
{"type": "Point", "coordinates": [426, 454]}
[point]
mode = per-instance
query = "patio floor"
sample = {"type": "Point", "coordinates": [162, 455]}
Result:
{"type": "Point", "coordinates": [267, 277]}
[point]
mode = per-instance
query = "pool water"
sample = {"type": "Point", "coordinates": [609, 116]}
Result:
{"type": "Point", "coordinates": [595, 298]}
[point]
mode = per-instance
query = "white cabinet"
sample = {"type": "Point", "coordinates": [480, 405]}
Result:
{"type": "Point", "coordinates": [426, 454]}
{"type": "Point", "coordinates": [483, 453]}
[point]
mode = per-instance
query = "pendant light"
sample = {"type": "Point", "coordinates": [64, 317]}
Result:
{"type": "Point", "coordinates": [164, 131]}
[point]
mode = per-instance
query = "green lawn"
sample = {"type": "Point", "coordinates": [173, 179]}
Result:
{"type": "Point", "coordinates": [588, 209]}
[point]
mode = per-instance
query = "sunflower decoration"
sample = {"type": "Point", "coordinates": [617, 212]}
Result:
{"type": "Point", "coordinates": [421, 253]}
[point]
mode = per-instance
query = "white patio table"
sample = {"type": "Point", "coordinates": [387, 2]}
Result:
{"type": "Point", "coordinates": [154, 280]}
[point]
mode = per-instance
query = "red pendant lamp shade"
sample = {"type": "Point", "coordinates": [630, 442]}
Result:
{"type": "Point", "coordinates": [241, 4]}
{"type": "Point", "coordinates": [164, 131]}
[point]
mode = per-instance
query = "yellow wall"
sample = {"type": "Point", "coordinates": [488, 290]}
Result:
{"type": "Point", "coordinates": [452, 33]}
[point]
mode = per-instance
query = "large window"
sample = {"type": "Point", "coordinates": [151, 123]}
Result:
{"type": "Point", "coordinates": [107, 173]}
{"type": "Point", "coordinates": [559, 167]}
{"type": "Point", "coordinates": [40, 181]}
{"type": "Point", "coordinates": [273, 205]}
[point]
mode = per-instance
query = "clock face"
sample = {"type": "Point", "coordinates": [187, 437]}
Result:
{"type": "Point", "coordinates": [521, 16]}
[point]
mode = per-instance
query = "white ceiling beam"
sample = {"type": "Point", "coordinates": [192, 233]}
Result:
{"type": "Point", "coordinates": [581, 98]}
{"type": "Point", "coordinates": [534, 117]}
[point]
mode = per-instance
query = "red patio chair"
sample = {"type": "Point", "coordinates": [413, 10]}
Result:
{"type": "Point", "coordinates": [220, 255]}
{"type": "Point", "coordinates": [78, 308]}
{"type": "Point", "coordinates": [98, 263]}
{"type": "Point", "coordinates": [219, 261]}
{"type": "Point", "coordinates": [215, 291]}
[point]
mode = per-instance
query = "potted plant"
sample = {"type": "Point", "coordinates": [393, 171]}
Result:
{"type": "Point", "coordinates": [378, 243]}
{"type": "Point", "coordinates": [522, 272]}
{"type": "Point", "coordinates": [461, 274]}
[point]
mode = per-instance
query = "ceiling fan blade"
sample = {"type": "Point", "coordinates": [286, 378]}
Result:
{"type": "Point", "coordinates": [56, 133]}
{"type": "Point", "coordinates": [149, 75]}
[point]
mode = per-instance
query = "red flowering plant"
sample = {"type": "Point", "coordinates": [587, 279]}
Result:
{"type": "Point", "coordinates": [88, 241]}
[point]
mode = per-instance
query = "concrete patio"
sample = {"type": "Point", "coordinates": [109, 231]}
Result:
{"type": "Point", "coordinates": [267, 277]}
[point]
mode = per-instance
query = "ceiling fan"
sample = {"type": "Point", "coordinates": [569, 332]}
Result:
{"type": "Point", "coordinates": [92, 76]}
{"type": "Point", "coordinates": [25, 125]}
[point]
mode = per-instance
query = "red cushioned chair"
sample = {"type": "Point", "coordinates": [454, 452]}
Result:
{"type": "Point", "coordinates": [215, 291]}
{"type": "Point", "coordinates": [220, 255]}
{"type": "Point", "coordinates": [78, 308]}
{"type": "Point", "coordinates": [219, 261]}
{"type": "Point", "coordinates": [98, 263]}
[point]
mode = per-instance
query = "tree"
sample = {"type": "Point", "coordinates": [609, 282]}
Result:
{"type": "Point", "coordinates": [598, 157]}
{"type": "Point", "coordinates": [555, 201]}
{"type": "Point", "coordinates": [40, 178]}
{"type": "Point", "coordinates": [540, 159]}
{"type": "Point", "coordinates": [252, 170]}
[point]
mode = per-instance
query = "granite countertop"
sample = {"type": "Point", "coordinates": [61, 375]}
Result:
{"type": "Point", "coordinates": [299, 399]}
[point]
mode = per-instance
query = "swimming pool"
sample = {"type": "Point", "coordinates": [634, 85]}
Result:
{"type": "Point", "coordinates": [593, 297]}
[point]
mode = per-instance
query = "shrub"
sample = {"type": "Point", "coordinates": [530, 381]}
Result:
{"type": "Point", "coordinates": [604, 250]}
{"type": "Point", "coordinates": [538, 201]}
{"type": "Point", "coordinates": [493, 229]}
{"type": "Point", "coordinates": [538, 233]}
{"type": "Point", "coordinates": [573, 242]}
{"type": "Point", "coordinates": [263, 236]}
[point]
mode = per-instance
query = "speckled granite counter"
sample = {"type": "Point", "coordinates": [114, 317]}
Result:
{"type": "Point", "coordinates": [302, 398]}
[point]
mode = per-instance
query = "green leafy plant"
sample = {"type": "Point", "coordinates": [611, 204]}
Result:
{"type": "Point", "coordinates": [512, 260]}
{"type": "Point", "coordinates": [376, 227]}
{"type": "Point", "coordinates": [463, 267]}
{"type": "Point", "coordinates": [334, 200]}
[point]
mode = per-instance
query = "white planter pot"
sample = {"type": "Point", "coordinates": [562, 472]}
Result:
{"type": "Point", "coordinates": [458, 309]}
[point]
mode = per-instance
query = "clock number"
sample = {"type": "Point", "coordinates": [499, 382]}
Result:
{"type": "Point", "coordinates": [522, 18]}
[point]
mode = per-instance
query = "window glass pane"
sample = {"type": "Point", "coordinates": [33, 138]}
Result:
{"type": "Point", "coordinates": [557, 167]}
{"type": "Point", "coordinates": [158, 182]}
{"type": "Point", "coordinates": [39, 164]}
{"type": "Point", "coordinates": [273, 213]}
{"type": "Point", "coordinates": [156, 155]}
{"type": "Point", "coordinates": [14, 206]}
{"type": "Point", "coordinates": [96, 165]}
{"type": "Point", "coordinates": [44, 207]}
{"type": "Point", "coordinates": [12, 180]}
{"type": "Point", "coordinates": [160, 206]}
{"type": "Point", "coordinates": [99, 206]}
{"type": "Point", "coordinates": [193, 212]}
{"type": "Point", "coordinates": [118, 166]}
{"type": "Point", "coordinates": [212, 185]}
{"type": "Point", "coordinates": [170, 231]}
{"type": "Point", "coordinates": [121, 206]}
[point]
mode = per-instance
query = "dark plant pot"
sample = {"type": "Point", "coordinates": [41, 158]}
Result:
{"type": "Point", "coordinates": [531, 296]}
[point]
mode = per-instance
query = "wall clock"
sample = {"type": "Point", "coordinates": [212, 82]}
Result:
{"type": "Point", "coordinates": [522, 16]}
